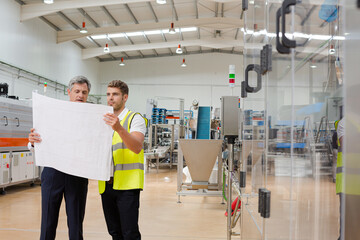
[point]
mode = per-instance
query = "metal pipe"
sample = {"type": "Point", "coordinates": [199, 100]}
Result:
{"type": "Point", "coordinates": [235, 218]}
{"type": "Point", "coordinates": [181, 118]}
{"type": "Point", "coordinates": [230, 170]}
{"type": "Point", "coordinates": [220, 167]}
{"type": "Point", "coordinates": [172, 147]}
{"type": "Point", "coordinates": [179, 172]}
{"type": "Point", "coordinates": [20, 70]}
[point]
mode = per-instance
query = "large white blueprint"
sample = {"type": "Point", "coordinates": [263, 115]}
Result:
{"type": "Point", "coordinates": [75, 138]}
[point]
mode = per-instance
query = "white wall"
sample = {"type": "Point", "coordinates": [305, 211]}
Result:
{"type": "Point", "coordinates": [205, 78]}
{"type": "Point", "coordinates": [31, 45]}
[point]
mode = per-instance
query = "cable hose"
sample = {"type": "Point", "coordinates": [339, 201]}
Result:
{"type": "Point", "coordinates": [223, 187]}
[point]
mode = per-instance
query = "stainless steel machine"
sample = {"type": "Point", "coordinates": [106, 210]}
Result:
{"type": "Point", "coordinates": [230, 120]}
{"type": "Point", "coordinates": [200, 156]}
{"type": "Point", "coordinates": [17, 163]}
{"type": "Point", "coordinates": [161, 144]}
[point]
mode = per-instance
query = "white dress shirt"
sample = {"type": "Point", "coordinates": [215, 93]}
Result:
{"type": "Point", "coordinates": [341, 128]}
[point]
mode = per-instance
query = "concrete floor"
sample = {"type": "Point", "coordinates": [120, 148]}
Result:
{"type": "Point", "coordinates": [305, 207]}
{"type": "Point", "coordinates": [161, 217]}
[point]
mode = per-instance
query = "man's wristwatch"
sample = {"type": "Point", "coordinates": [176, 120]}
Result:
{"type": "Point", "coordinates": [30, 146]}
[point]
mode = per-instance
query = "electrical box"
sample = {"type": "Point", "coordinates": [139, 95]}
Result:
{"type": "Point", "coordinates": [18, 167]}
{"type": "Point", "coordinates": [37, 172]}
{"type": "Point", "coordinates": [30, 166]}
{"type": "Point", "coordinates": [4, 168]}
{"type": "Point", "coordinates": [230, 112]}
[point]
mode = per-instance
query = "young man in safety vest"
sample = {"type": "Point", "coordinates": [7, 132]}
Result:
{"type": "Point", "coordinates": [121, 195]}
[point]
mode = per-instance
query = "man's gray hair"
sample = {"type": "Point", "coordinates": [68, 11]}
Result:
{"type": "Point", "coordinates": [79, 80]}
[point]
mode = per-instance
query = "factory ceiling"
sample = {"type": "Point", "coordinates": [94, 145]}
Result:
{"type": "Point", "coordinates": [140, 28]}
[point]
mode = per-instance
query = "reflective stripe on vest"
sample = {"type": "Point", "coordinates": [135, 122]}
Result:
{"type": "Point", "coordinates": [339, 173]}
{"type": "Point", "coordinates": [129, 166]}
{"type": "Point", "coordinates": [339, 170]}
{"type": "Point", "coordinates": [119, 146]}
{"type": "Point", "coordinates": [348, 170]}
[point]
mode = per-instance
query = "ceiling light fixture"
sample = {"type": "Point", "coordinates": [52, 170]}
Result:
{"type": "Point", "coordinates": [152, 32]}
{"type": "Point", "coordinates": [179, 50]}
{"type": "Point", "coordinates": [312, 64]}
{"type": "Point", "coordinates": [183, 63]}
{"type": "Point", "coordinates": [106, 48]}
{"type": "Point", "coordinates": [83, 29]}
{"type": "Point", "coordinates": [332, 50]}
{"type": "Point", "coordinates": [160, 1]}
{"type": "Point", "coordinates": [122, 62]}
{"type": "Point", "coordinates": [48, 1]}
{"type": "Point", "coordinates": [172, 29]}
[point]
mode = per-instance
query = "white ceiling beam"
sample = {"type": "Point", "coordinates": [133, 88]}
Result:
{"type": "Point", "coordinates": [216, 43]}
{"type": "Point", "coordinates": [310, 2]}
{"type": "Point", "coordinates": [259, 46]}
{"type": "Point", "coordinates": [221, 1]}
{"type": "Point", "coordinates": [215, 23]}
{"type": "Point", "coordinates": [29, 11]}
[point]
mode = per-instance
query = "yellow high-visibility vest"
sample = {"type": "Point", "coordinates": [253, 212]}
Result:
{"type": "Point", "coordinates": [339, 165]}
{"type": "Point", "coordinates": [128, 166]}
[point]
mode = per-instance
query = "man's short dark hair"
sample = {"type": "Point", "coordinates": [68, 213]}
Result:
{"type": "Point", "coordinates": [120, 85]}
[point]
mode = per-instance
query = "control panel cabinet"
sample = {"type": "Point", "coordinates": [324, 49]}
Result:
{"type": "Point", "coordinates": [18, 166]}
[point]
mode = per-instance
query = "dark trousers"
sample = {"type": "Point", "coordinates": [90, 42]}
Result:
{"type": "Point", "coordinates": [121, 210]}
{"type": "Point", "coordinates": [55, 185]}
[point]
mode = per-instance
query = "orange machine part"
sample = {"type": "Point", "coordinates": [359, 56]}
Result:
{"type": "Point", "coordinates": [13, 142]}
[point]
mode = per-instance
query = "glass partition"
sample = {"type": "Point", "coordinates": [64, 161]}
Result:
{"type": "Point", "coordinates": [350, 148]}
{"type": "Point", "coordinates": [254, 119]}
{"type": "Point", "coordinates": [288, 125]}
